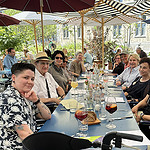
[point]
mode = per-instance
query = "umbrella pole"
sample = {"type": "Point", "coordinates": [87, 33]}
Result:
{"type": "Point", "coordinates": [41, 5]}
{"type": "Point", "coordinates": [103, 42]}
{"type": "Point", "coordinates": [34, 25]}
{"type": "Point", "coordinates": [82, 15]}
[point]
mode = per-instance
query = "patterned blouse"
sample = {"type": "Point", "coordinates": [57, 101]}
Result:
{"type": "Point", "coordinates": [14, 110]}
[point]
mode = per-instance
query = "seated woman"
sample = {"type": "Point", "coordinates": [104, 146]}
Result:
{"type": "Point", "coordinates": [77, 65]}
{"type": "Point", "coordinates": [56, 70]}
{"type": "Point", "coordinates": [141, 85]}
{"type": "Point", "coordinates": [19, 107]}
{"type": "Point", "coordinates": [118, 65]}
{"type": "Point", "coordinates": [129, 74]}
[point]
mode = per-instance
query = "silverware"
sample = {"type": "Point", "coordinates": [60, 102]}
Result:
{"type": "Point", "coordinates": [120, 118]}
{"type": "Point", "coordinates": [64, 109]}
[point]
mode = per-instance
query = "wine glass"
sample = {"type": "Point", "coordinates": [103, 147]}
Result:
{"type": "Point", "coordinates": [81, 114]}
{"type": "Point", "coordinates": [111, 107]}
{"type": "Point", "coordinates": [74, 84]}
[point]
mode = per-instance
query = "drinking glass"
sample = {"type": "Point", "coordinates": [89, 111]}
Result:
{"type": "Point", "coordinates": [81, 115]}
{"type": "Point", "coordinates": [111, 107]}
{"type": "Point", "coordinates": [105, 79]}
{"type": "Point", "coordinates": [74, 84]}
{"type": "Point", "coordinates": [102, 115]}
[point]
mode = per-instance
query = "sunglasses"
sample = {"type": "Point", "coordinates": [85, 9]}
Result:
{"type": "Point", "coordinates": [58, 58]}
{"type": "Point", "coordinates": [65, 61]}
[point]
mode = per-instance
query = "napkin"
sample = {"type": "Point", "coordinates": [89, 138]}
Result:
{"type": "Point", "coordinates": [66, 103]}
{"type": "Point", "coordinates": [118, 99]}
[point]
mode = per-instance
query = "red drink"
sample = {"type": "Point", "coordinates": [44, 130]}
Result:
{"type": "Point", "coordinates": [111, 108]}
{"type": "Point", "coordinates": [81, 115]}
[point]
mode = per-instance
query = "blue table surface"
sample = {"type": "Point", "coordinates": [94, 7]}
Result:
{"type": "Point", "coordinates": [65, 122]}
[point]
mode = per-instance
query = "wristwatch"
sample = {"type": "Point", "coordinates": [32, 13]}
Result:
{"type": "Point", "coordinates": [141, 116]}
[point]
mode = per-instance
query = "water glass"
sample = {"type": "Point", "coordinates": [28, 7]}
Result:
{"type": "Point", "coordinates": [73, 106]}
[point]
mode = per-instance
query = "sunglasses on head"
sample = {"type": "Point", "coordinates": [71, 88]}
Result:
{"type": "Point", "coordinates": [59, 57]}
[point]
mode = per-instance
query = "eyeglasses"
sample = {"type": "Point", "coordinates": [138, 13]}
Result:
{"type": "Point", "coordinates": [58, 58]}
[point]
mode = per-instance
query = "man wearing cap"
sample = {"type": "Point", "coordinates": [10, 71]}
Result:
{"type": "Point", "coordinates": [140, 52]}
{"type": "Point", "coordinates": [44, 84]}
{"type": "Point", "coordinates": [124, 59]}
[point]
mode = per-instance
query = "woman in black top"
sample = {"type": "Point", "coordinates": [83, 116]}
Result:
{"type": "Point", "coordinates": [118, 65]}
{"type": "Point", "coordinates": [141, 85]}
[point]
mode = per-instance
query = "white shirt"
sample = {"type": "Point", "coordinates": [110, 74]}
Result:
{"type": "Point", "coordinates": [128, 76]}
{"type": "Point", "coordinates": [40, 85]}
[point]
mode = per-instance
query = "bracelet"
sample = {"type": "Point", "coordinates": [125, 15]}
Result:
{"type": "Point", "coordinates": [141, 116]}
{"type": "Point", "coordinates": [38, 101]}
{"type": "Point", "coordinates": [62, 95]}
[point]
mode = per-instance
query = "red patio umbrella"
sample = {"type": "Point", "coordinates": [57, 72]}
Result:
{"type": "Point", "coordinates": [49, 6]}
{"type": "Point", "coordinates": [6, 20]}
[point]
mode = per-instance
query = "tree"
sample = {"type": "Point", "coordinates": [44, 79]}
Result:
{"type": "Point", "coordinates": [8, 39]}
{"type": "Point", "coordinates": [95, 45]}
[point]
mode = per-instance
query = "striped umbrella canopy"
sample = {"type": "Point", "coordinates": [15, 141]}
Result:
{"type": "Point", "coordinates": [141, 7]}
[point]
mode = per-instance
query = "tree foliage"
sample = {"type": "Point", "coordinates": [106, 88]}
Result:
{"type": "Point", "coordinates": [18, 36]}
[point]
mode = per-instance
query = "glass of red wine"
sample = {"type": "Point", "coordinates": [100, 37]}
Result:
{"type": "Point", "coordinates": [81, 114]}
{"type": "Point", "coordinates": [111, 107]}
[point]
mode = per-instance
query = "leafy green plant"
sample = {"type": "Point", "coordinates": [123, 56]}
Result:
{"type": "Point", "coordinates": [8, 39]}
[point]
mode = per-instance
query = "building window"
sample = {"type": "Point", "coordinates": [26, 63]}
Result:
{"type": "Point", "coordinates": [141, 27]}
{"type": "Point", "coordinates": [79, 32]}
{"type": "Point", "coordinates": [65, 31]}
{"type": "Point", "coordinates": [117, 30]}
